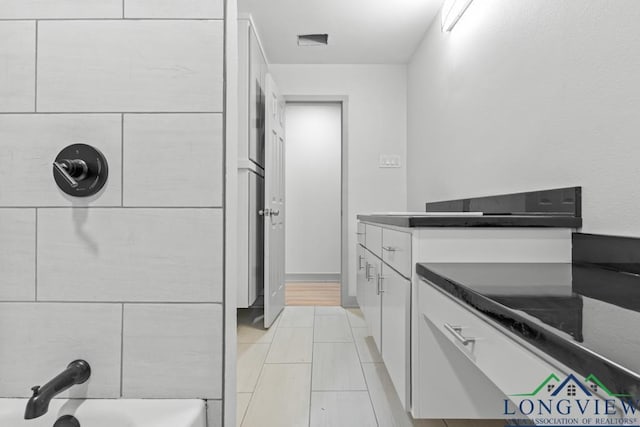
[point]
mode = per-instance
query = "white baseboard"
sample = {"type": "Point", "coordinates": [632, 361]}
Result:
{"type": "Point", "coordinates": [312, 277]}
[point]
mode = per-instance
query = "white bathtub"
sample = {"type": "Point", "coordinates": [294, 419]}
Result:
{"type": "Point", "coordinates": [110, 413]}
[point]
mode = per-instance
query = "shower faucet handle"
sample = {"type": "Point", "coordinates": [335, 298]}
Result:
{"type": "Point", "coordinates": [60, 168]}
{"type": "Point", "coordinates": [71, 170]}
{"type": "Point", "coordinates": [80, 170]}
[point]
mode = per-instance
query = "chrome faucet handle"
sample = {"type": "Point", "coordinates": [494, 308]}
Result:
{"type": "Point", "coordinates": [72, 170]}
{"type": "Point", "coordinates": [62, 170]}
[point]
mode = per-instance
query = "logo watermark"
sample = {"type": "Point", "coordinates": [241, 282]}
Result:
{"type": "Point", "coordinates": [572, 401]}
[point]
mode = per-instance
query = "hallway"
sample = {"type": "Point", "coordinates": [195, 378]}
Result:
{"type": "Point", "coordinates": [317, 367]}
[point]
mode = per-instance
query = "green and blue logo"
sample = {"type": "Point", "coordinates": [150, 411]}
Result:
{"type": "Point", "coordinates": [571, 401]}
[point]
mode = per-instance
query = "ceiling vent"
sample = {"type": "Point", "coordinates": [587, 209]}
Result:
{"type": "Point", "coordinates": [313, 39]}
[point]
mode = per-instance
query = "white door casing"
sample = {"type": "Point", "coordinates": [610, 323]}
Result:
{"type": "Point", "coordinates": [274, 210]}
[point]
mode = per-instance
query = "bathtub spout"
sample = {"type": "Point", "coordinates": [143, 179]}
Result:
{"type": "Point", "coordinates": [77, 372]}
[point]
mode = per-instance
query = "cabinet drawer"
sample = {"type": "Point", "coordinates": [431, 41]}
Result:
{"type": "Point", "coordinates": [361, 233]}
{"type": "Point", "coordinates": [396, 250]}
{"type": "Point", "coordinates": [373, 239]}
{"type": "Point", "coordinates": [505, 362]}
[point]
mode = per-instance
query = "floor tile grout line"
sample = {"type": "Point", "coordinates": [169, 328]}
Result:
{"type": "Point", "coordinates": [253, 393]}
{"type": "Point", "coordinates": [375, 414]}
{"type": "Point", "coordinates": [240, 421]}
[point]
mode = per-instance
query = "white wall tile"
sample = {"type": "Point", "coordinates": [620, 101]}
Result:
{"type": "Point", "coordinates": [173, 160]}
{"type": "Point", "coordinates": [174, 9]}
{"type": "Point", "coordinates": [130, 255]}
{"type": "Point", "coordinates": [47, 9]}
{"type": "Point", "coordinates": [17, 66]}
{"type": "Point", "coordinates": [29, 143]}
{"type": "Point", "coordinates": [130, 66]}
{"type": "Point", "coordinates": [172, 350]}
{"type": "Point", "coordinates": [17, 254]}
{"type": "Point", "coordinates": [40, 340]}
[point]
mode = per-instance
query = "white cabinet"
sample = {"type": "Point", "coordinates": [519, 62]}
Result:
{"type": "Point", "coordinates": [396, 250]}
{"type": "Point", "coordinates": [361, 233]}
{"type": "Point", "coordinates": [368, 292]}
{"type": "Point", "coordinates": [384, 297]}
{"type": "Point", "coordinates": [432, 376]}
{"type": "Point", "coordinates": [396, 329]}
{"type": "Point", "coordinates": [489, 349]}
{"type": "Point", "coordinates": [257, 81]}
{"type": "Point", "coordinates": [252, 68]}
{"type": "Point", "coordinates": [373, 239]}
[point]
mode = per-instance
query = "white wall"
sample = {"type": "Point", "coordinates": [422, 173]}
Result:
{"type": "Point", "coordinates": [313, 162]}
{"type": "Point", "coordinates": [147, 310]}
{"type": "Point", "coordinates": [530, 94]}
{"type": "Point", "coordinates": [376, 125]}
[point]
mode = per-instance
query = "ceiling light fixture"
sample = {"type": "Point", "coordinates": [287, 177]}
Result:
{"type": "Point", "coordinates": [452, 11]}
{"type": "Point", "coordinates": [313, 39]}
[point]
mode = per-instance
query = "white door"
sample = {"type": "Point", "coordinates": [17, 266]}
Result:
{"type": "Point", "coordinates": [273, 211]}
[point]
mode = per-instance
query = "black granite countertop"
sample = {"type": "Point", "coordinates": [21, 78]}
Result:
{"type": "Point", "coordinates": [583, 316]}
{"type": "Point", "coordinates": [414, 221]}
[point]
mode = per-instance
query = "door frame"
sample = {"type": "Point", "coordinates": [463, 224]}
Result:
{"type": "Point", "coordinates": [346, 300]}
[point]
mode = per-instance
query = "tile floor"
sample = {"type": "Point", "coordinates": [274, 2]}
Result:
{"type": "Point", "coordinates": [318, 367]}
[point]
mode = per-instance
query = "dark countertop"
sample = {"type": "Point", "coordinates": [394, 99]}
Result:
{"type": "Point", "coordinates": [585, 317]}
{"type": "Point", "coordinates": [558, 221]}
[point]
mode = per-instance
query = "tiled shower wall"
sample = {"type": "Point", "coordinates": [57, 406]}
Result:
{"type": "Point", "coordinates": [130, 279]}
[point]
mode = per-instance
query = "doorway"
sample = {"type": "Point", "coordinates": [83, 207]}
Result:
{"type": "Point", "coordinates": [314, 202]}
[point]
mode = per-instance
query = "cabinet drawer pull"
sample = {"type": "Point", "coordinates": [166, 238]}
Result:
{"type": "Point", "coordinates": [366, 271]}
{"type": "Point", "coordinates": [359, 233]}
{"type": "Point", "coordinates": [456, 331]}
{"type": "Point", "coordinates": [360, 258]}
{"type": "Point", "coordinates": [389, 248]}
{"type": "Point", "coordinates": [380, 279]}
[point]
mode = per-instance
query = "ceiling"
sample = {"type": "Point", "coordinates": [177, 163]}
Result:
{"type": "Point", "coordinates": [360, 31]}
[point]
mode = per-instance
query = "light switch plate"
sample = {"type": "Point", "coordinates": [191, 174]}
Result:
{"type": "Point", "coordinates": [389, 161]}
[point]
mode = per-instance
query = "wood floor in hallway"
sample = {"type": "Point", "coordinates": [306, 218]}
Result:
{"type": "Point", "coordinates": [318, 367]}
{"type": "Point", "coordinates": [321, 294]}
